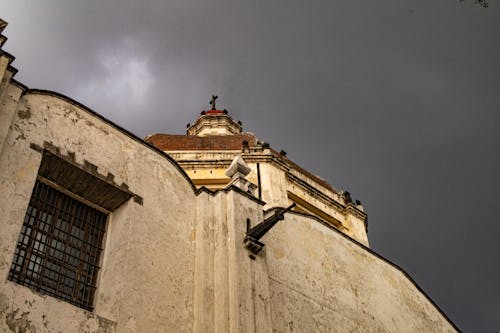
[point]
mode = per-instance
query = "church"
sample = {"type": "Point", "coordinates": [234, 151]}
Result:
{"type": "Point", "coordinates": [211, 231]}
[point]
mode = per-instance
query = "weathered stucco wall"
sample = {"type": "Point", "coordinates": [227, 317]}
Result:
{"type": "Point", "coordinates": [231, 291]}
{"type": "Point", "coordinates": [147, 278]}
{"type": "Point", "coordinates": [321, 281]}
{"type": "Point", "coordinates": [9, 97]}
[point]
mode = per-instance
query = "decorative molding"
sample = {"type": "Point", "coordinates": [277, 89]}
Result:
{"type": "Point", "coordinates": [315, 192]}
{"type": "Point", "coordinates": [208, 121]}
{"type": "Point", "coordinates": [351, 209]}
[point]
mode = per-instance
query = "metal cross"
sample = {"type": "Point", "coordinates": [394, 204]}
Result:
{"type": "Point", "coordinates": [212, 102]}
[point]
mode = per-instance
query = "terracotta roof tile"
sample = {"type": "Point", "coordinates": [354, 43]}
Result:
{"type": "Point", "coordinates": [174, 142]}
{"type": "Point", "coordinates": [215, 112]}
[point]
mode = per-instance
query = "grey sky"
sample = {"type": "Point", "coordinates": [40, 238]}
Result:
{"type": "Point", "coordinates": [396, 101]}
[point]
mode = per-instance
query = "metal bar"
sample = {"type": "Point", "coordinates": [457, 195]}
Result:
{"type": "Point", "coordinates": [59, 246]}
{"type": "Point", "coordinates": [72, 195]}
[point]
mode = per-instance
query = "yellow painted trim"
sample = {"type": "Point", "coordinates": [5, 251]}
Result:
{"type": "Point", "coordinates": [211, 181]}
{"type": "Point", "coordinates": [308, 208]}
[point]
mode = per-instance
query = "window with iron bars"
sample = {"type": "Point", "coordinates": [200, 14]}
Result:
{"type": "Point", "coordinates": [59, 247]}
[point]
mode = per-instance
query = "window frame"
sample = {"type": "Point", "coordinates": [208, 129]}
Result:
{"type": "Point", "coordinates": [53, 229]}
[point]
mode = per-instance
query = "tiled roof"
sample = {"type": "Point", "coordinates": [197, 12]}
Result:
{"type": "Point", "coordinates": [174, 142]}
{"type": "Point", "coordinates": [215, 112]}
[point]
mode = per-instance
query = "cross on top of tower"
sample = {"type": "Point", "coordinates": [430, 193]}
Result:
{"type": "Point", "coordinates": [212, 102]}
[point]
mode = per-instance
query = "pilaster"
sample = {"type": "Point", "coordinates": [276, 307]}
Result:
{"type": "Point", "coordinates": [231, 290]}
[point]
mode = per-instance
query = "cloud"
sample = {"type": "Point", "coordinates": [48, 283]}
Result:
{"type": "Point", "coordinates": [125, 77]}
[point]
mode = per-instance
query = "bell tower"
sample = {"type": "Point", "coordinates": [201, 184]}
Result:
{"type": "Point", "coordinates": [214, 122]}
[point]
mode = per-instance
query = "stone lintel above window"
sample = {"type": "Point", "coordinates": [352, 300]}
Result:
{"type": "Point", "coordinates": [84, 181]}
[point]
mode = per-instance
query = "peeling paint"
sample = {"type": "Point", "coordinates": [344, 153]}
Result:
{"type": "Point", "coordinates": [21, 324]}
{"type": "Point", "coordinates": [24, 114]}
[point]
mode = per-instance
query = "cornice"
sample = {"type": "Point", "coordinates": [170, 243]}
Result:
{"type": "Point", "coordinates": [212, 121]}
{"type": "Point", "coordinates": [351, 209]}
{"type": "Point", "coordinates": [314, 191]}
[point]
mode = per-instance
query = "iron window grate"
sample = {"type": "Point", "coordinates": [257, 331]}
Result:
{"type": "Point", "coordinates": [59, 247]}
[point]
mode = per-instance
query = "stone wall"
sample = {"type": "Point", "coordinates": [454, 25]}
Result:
{"type": "Point", "coordinates": [231, 291]}
{"type": "Point", "coordinates": [147, 278]}
{"type": "Point", "coordinates": [322, 281]}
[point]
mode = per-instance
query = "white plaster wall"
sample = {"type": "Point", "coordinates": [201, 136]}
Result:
{"type": "Point", "coordinates": [231, 291]}
{"type": "Point", "coordinates": [358, 229]}
{"type": "Point", "coordinates": [9, 97]}
{"type": "Point", "coordinates": [320, 281]}
{"type": "Point", "coordinates": [147, 279]}
{"type": "Point", "coordinates": [274, 185]}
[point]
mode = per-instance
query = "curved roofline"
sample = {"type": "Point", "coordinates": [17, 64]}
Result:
{"type": "Point", "coordinates": [384, 259]}
{"type": "Point", "coordinates": [112, 124]}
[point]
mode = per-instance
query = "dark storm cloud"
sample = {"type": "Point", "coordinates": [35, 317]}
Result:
{"type": "Point", "coordinates": [396, 101]}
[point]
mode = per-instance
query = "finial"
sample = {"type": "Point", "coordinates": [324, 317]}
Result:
{"type": "Point", "coordinates": [238, 167]}
{"type": "Point", "coordinates": [212, 102]}
{"type": "Point", "coordinates": [237, 171]}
